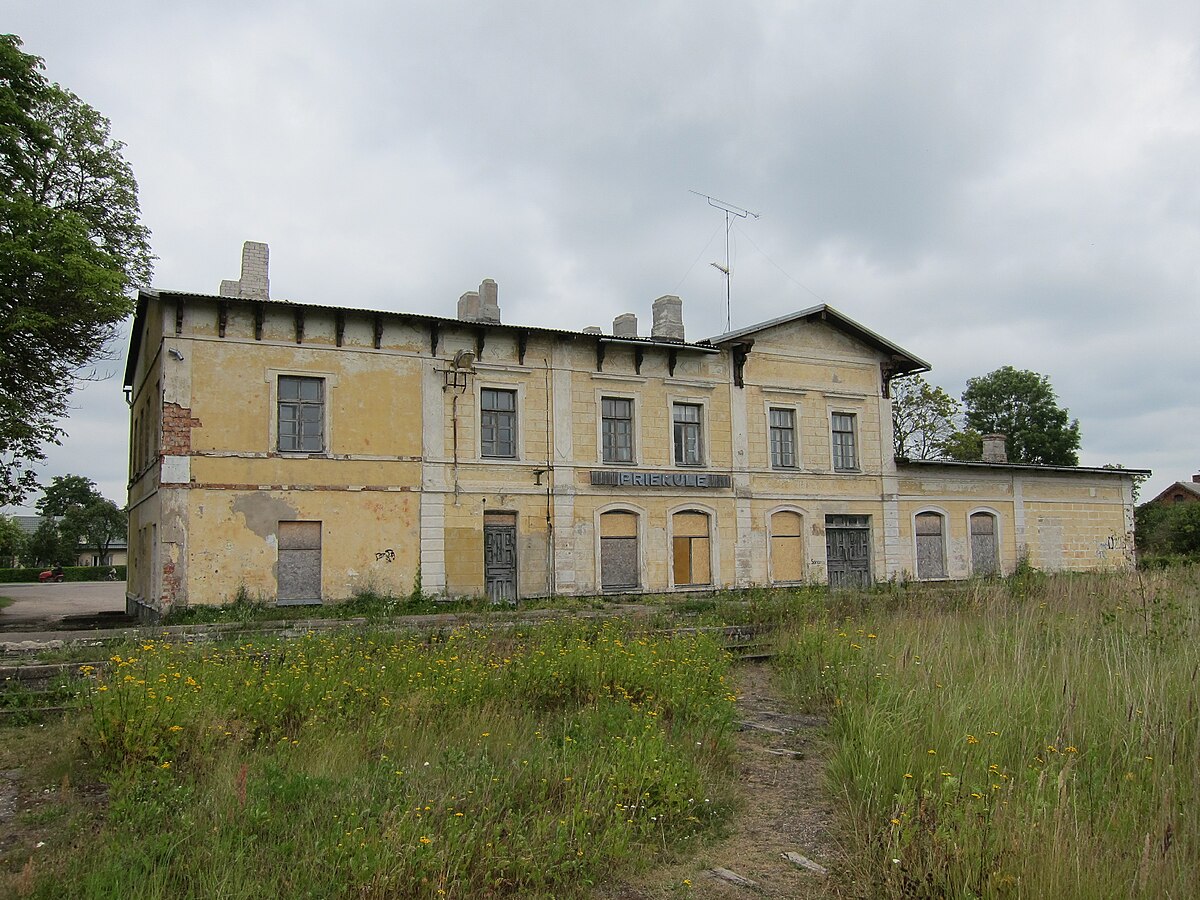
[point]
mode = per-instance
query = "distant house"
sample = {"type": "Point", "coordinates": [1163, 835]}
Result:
{"type": "Point", "coordinates": [118, 550]}
{"type": "Point", "coordinates": [1180, 492]}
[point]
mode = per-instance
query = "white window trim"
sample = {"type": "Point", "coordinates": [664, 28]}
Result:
{"type": "Point", "coordinates": [619, 506]}
{"type": "Point", "coordinates": [714, 553]}
{"type": "Point", "coordinates": [945, 541]}
{"type": "Point", "coordinates": [519, 438]}
{"type": "Point", "coordinates": [272, 379]}
{"type": "Point", "coordinates": [601, 393]}
{"type": "Point", "coordinates": [705, 442]}
{"type": "Point", "coordinates": [998, 536]}
{"type": "Point", "coordinates": [797, 418]}
{"type": "Point", "coordinates": [857, 414]}
{"type": "Point", "coordinates": [804, 529]}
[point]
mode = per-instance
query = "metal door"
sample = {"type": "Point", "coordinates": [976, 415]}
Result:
{"type": "Point", "coordinates": [299, 569]}
{"type": "Point", "coordinates": [500, 561]}
{"type": "Point", "coordinates": [848, 551]}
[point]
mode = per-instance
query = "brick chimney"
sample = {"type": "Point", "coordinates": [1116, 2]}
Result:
{"type": "Point", "coordinates": [254, 283]}
{"type": "Point", "coordinates": [625, 325]}
{"type": "Point", "coordinates": [668, 318]}
{"type": "Point", "coordinates": [994, 450]}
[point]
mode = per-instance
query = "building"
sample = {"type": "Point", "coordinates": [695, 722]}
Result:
{"type": "Point", "coordinates": [303, 453]}
{"type": "Point", "coordinates": [1180, 492]}
{"type": "Point", "coordinates": [116, 554]}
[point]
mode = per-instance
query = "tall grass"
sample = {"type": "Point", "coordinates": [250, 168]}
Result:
{"type": "Point", "coordinates": [482, 765]}
{"type": "Point", "coordinates": [1036, 738]}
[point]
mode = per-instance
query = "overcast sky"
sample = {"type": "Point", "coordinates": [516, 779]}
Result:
{"type": "Point", "coordinates": [982, 183]}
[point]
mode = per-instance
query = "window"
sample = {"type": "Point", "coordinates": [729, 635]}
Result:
{"type": "Point", "coordinates": [498, 423]}
{"type": "Point", "coordinates": [617, 429]}
{"type": "Point", "coordinates": [787, 547]}
{"type": "Point", "coordinates": [984, 556]}
{"type": "Point", "coordinates": [689, 448]}
{"type": "Point", "coordinates": [619, 551]}
{"type": "Point", "coordinates": [931, 549]}
{"type": "Point", "coordinates": [845, 455]}
{"type": "Point", "coordinates": [301, 414]}
{"type": "Point", "coordinates": [783, 438]}
{"type": "Point", "coordinates": [690, 549]}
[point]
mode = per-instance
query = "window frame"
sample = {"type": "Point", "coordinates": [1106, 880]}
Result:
{"type": "Point", "coordinates": [836, 460]}
{"type": "Point", "coordinates": [714, 550]}
{"type": "Point", "coordinates": [794, 412]}
{"type": "Point", "coordinates": [515, 412]}
{"type": "Point", "coordinates": [602, 398]}
{"type": "Point", "coordinates": [300, 404]}
{"type": "Point", "coordinates": [700, 426]}
{"type": "Point", "coordinates": [997, 544]}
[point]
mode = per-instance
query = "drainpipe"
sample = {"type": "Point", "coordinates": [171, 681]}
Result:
{"type": "Point", "coordinates": [551, 581]}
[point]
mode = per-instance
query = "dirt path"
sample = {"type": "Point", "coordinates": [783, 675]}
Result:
{"type": "Point", "coordinates": [784, 808]}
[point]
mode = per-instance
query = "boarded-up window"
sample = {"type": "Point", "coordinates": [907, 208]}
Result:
{"type": "Point", "coordinates": [299, 562]}
{"type": "Point", "coordinates": [619, 570]}
{"type": "Point", "coordinates": [787, 547]}
{"type": "Point", "coordinates": [691, 548]}
{"type": "Point", "coordinates": [984, 553]}
{"type": "Point", "coordinates": [931, 553]}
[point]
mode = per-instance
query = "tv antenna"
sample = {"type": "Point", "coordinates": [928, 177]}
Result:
{"type": "Point", "coordinates": [731, 212]}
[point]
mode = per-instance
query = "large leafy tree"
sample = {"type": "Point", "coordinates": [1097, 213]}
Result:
{"type": "Point", "coordinates": [1023, 407]}
{"type": "Point", "coordinates": [95, 526]}
{"type": "Point", "coordinates": [12, 541]}
{"type": "Point", "coordinates": [67, 492]}
{"type": "Point", "coordinates": [923, 418]}
{"type": "Point", "coordinates": [71, 248]}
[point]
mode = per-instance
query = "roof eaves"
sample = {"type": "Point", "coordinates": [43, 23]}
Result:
{"type": "Point", "coordinates": [1027, 467]}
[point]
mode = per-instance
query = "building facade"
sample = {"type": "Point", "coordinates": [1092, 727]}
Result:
{"type": "Point", "coordinates": [303, 453]}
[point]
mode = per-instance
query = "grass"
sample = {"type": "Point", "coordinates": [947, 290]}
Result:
{"type": "Point", "coordinates": [524, 763]}
{"type": "Point", "coordinates": [6, 601]}
{"type": "Point", "coordinates": [1037, 737]}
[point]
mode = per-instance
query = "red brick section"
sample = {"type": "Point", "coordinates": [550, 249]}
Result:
{"type": "Point", "coordinates": [170, 588]}
{"type": "Point", "coordinates": [177, 430]}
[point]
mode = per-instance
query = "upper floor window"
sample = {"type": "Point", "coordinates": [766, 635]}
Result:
{"type": "Point", "coordinates": [301, 414]}
{"type": "Point", "coordinates": [689, 445]}
{"type": "Point", "coordinates": [617, 429]}
{"type": "Point", "coordinates": [783, 438]}
{"type": "Point", "coordinates": [845, 453]}
{"type": "Point", "coordinates": [498, 423]}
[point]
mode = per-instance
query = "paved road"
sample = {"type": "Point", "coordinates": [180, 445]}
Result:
{"type": "Point", "coordinates": [42, 603]}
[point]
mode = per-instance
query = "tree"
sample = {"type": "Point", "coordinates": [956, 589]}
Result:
{"type": "Point", "coordinates": [12, 541]}
{"type": "Point", "coordinates": [47, 547]}
{"type": "Point", "coordinates": [66, 492]}
{"type": "Point", "coordinates": [95, 526]}
{"type": "Point", "coordinates": [71, 246]}
{"type": "Point", "coordinates": [1022, 406]}
{"type": "Point", "coordinates": [1168, 528]}
{"type": "Point", "coordinates": [923, 418]}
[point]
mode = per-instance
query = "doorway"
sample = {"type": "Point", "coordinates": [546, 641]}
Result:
{"type": "Point", "coordinates": [848, 551]}
{"type": "Point", "coordinates": [500, 556]}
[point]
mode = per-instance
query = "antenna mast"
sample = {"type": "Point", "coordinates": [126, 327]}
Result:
{"type": "Point", "coordinates": [731, 212]}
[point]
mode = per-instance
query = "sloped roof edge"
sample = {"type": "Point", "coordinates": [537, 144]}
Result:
{"type": "Point", "coordinates": [909, 363]}
{"type": "Point", "coordinates": [1027, 467]}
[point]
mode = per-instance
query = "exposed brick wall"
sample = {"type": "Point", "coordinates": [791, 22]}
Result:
{"type": "Point", "coordinates": [177, 430]}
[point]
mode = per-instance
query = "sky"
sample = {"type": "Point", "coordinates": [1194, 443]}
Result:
{"type": "Point", "coordinates": [984, 184]}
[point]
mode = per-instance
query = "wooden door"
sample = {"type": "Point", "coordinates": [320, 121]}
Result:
{"type": "Point", "coordinates": [848, 551]}
{"type": "Point", "coordinates": [500, 557]}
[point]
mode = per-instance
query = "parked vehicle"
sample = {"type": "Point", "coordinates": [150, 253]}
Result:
{"type": "Point", "coordinates": [55, 575]}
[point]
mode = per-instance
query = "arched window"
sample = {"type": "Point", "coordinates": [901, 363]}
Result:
{"type": "Point", "coordinates": [985, 553]}
{"type": "Point", "coordinates": [931, 547]}
{"type": "Point", "coordinates": [691, 548]}
{"type": "Point", "coordinates": [787, 547]}
{"type": "Point", "coordinates": [619, 568]}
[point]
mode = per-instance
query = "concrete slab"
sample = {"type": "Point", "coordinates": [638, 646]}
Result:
{"type": "Point", "coordinates": [38, 605]}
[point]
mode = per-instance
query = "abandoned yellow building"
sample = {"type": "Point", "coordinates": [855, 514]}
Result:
{"type": "Point", "coordinates": [304, 453]}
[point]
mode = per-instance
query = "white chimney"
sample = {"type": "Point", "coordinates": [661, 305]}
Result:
{"type": "Point", "coordinates": [254, 283]}
{"type": "Point", "coordinates": [625, 325]}
{"type": "Point", "coordinates": [668, 318]}
{"type": "Point", "coordinates": [994, 450]}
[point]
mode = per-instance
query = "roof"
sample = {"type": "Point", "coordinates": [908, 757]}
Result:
{"type": "Point", "coordinates": [906, 363]}
{"type": "Point", "coordinates": [145, 296]}
{"type": "Point", "coordinates": [1190, 486]}
{"type": "Point", "coordinates": [1028, 467]}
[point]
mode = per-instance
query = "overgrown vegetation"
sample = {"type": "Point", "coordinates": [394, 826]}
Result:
{"type": "Point", "coordinates": [1037, 737]}
{"type": "Point", "coordinates": [524, 763]}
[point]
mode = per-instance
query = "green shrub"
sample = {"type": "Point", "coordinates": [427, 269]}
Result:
{"type": "Point", "coordinates": [71, 573]}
